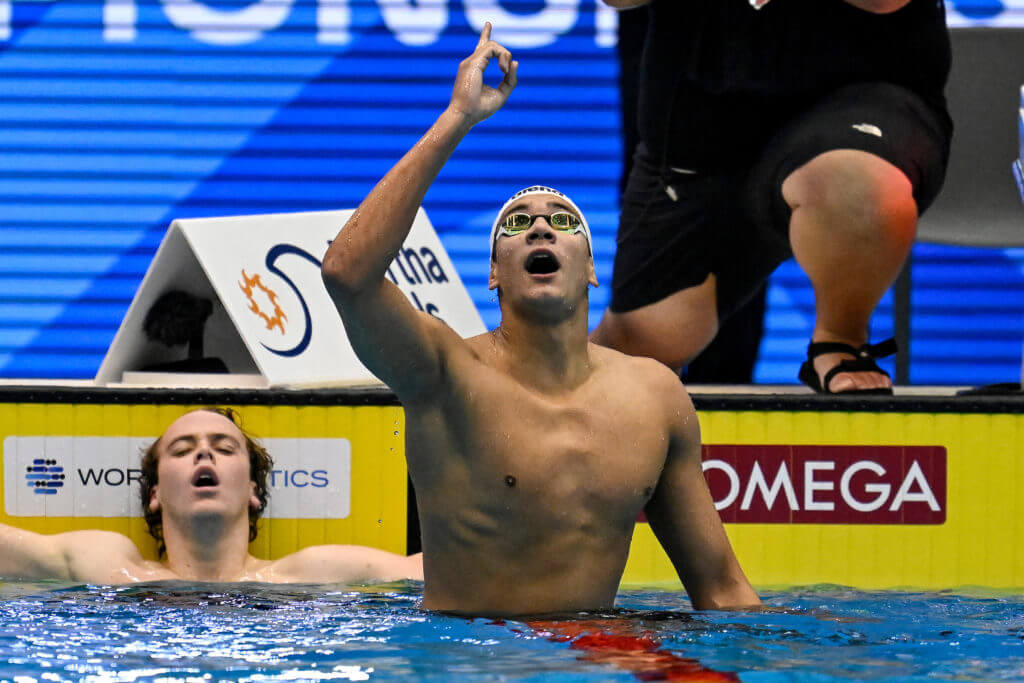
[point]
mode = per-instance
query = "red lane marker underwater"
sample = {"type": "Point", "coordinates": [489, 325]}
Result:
{"type": "Point", "coordinates": [621, 644]}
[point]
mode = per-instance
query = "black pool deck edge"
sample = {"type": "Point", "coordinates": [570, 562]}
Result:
{"type": "Point", "coordinates": [758, 399]}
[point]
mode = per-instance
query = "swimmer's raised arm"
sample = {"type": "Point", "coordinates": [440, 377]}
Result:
{"type": "Point", "coordinates": [682, 514]}
{"type": "Point", "coordinates": [399, 344]}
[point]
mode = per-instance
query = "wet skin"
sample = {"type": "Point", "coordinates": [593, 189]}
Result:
{"type": "Point", "coordinates": [583, 465]}
{"type": "Point", "coordinates": [531, 468]}
{"type": "Point", "coordinates": [532, 451]}
{"type": "Point", "coordinates": [204, 494]}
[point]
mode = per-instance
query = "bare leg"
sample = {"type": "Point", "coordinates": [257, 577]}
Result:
{"type": "Point", "coordinates": [853, 224]}
{"type": "Point", "coordinates": [673, 330]}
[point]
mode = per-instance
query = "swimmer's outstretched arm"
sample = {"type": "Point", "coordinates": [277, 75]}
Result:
{"type": "Point", "coordinates": [402, 346]}
{"type": "Point", "coordinates": [682, 515]}
{"type": "Point", "coordinates": [28, 555]}
{"type": "Point", "coordinates": [69, 556]}
{"type": "Point", "coordinates": [345, 564]}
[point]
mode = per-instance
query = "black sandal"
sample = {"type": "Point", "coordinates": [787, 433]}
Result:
{"type": "Point", "coordinates": [863, 361]}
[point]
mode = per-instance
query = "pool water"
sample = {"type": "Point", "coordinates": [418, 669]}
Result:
{"type": "Point", "coordinates": [247, 632]}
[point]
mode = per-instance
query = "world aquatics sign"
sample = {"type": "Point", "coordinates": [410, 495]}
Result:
{"type": "Point", "coordinates": [93, 476]}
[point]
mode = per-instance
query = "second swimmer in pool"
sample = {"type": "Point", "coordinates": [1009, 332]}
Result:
{"type": "Point", "coordinates": [204, 487]}
{"type": "Point", "coordinates": [532, 451]}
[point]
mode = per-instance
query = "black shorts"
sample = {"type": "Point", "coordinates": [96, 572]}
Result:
{"type": "Point", "coordinates": [730, 218]}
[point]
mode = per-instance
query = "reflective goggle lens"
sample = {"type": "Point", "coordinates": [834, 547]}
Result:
{"type": "Point", "coordinates": [518, 222]}
{"type": "Point", "coordinates": [564, 221]}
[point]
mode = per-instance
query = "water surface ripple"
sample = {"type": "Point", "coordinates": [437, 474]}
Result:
{"type": "Point", "coordinates": [252, 632]}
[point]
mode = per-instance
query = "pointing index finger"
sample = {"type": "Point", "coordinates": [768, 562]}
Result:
{"type": "Point", "coordinates": [485, 34]}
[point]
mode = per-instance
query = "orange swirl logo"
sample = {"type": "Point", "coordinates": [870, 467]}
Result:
{"type": "Point", "coordinates": [250, 286]}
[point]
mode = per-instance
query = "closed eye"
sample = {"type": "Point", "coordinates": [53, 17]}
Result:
{"type": "Point", "coordinates": [224, 443]}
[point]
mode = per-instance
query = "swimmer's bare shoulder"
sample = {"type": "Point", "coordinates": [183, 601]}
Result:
{"type": "Point", "coordinates": [108, 557]}
{"type": "Point", "coordinates": [463, 357]}
{"type": "Point", "coordinates": [343, 564]}
{"type": "Point", "coordinates": [451, 358]}
{"type": "Point", "coordinates": [651, 384]}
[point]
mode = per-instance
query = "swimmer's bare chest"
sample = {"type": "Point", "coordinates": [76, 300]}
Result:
{"type": "Point", "coordinates": [584, 460]}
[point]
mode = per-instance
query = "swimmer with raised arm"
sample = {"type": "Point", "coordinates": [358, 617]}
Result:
{"type": "Point", "coordinates": [531, 450]}
{"type": "Point", "coordinates": [204, 486]}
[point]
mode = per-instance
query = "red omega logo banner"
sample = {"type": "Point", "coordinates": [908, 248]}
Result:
{"type": "Point", "coordinates": [827, 484]}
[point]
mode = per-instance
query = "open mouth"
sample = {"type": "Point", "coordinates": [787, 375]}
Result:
{"type": "Point", "coordinates": [541, 263]}
{"type": "Point", "coordinates": [204, 478]}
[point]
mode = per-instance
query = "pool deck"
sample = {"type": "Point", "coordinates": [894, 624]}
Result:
{"type": "Point", "coordinates": [246, 390]}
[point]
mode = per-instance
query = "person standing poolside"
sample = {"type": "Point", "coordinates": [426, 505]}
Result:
{"type": "Point", "coordinates": [808, 128]}
{"type": "Point", "coordinates": [532, 451]}
{"type": "Point", "coordinates": [204, 486]}
{"type": "Point", "coordinates": [731, 357]}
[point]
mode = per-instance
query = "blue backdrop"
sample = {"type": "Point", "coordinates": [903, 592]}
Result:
{"type": "Point", "coordinates": [117, 117]}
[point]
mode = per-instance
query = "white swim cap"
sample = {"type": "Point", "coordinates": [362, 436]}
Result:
{"type": "Point", "coordinates": [540, 189]}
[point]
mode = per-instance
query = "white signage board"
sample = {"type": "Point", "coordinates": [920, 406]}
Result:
{"type": "Point", "coordinates": [272, 314]}
{"type": "Point", "coordinates": [98, 476]}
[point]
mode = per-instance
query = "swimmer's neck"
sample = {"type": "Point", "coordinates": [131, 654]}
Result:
{"type": "Point", "coordinates": [549, 357]}
{"type": "Point", "coordinates": [208, 549]}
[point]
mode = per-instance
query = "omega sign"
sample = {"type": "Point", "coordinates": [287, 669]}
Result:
{"type": "Point", "coordinates": [827, 484]}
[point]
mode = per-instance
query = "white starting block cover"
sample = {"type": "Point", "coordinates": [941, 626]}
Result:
{"type": "Point", "coordinates": [273, 319]}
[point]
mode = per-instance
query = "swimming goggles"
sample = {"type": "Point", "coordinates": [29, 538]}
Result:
{"type": "Point", "coordinates": [563, 221]}
{"type": "Point", "coordinates": [497, 227]}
